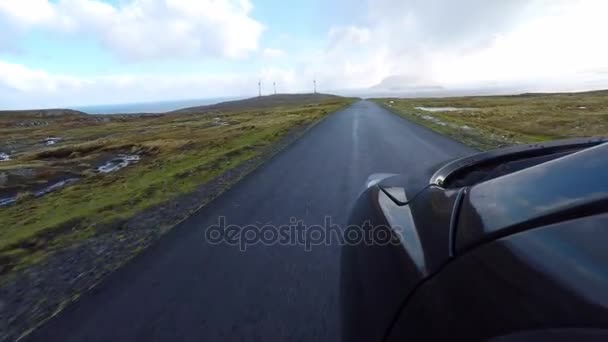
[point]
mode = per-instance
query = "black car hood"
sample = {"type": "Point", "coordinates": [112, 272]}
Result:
{"type": "Point", "coordinates": [568, 187]}
{"type": "Point", "coordinates": [571, 185]}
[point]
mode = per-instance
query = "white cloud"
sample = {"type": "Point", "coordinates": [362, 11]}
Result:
{"type": "Point", "coordinates": [145, 29]}
{"type": "Point", "coordinates": [348, 36]}
{"type": "Point", "coordinates": [561, 45]}
{"type": "Point", "coordinates": [444, 23]}
{"type": "Point", "coordinates": [20, 79]}
{"type": "Point", "coordinates": [27, 12]}
{"type": "Point", "coordinates": [540, 43]}
{"type": "Point", "coordinates": [273, 53]}
{"type": "Point", "coordinates": [22, 87]}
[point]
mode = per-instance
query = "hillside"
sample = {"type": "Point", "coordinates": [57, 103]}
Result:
{"type": "Point", "coordinates": [41, 113]}
{"type": "Point", "coordinates": [262, 102]}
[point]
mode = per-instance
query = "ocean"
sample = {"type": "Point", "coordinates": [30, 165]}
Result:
{"type": "Point", "coordinates": [150, 107]}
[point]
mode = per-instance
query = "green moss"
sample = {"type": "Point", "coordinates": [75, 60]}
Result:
{"type": "Point", "coordinates": [497, 121]}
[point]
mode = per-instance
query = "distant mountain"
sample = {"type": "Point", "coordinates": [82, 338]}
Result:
{"type": "Point", "coordinates": [404, 83]}
{"type": "Point", "coordinates": [260, 102]}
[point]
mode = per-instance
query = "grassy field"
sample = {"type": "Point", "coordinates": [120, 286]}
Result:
{"type": "Point", "coordinates": [177, 152]}
{"type": "Point", "coordinates": [488, 122]}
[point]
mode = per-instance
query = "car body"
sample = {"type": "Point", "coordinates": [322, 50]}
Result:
{"type": "Point", "coordinates": [506, 245]}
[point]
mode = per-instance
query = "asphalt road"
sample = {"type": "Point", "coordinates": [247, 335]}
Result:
{"type": "Point", "coordinates": [185, 289]}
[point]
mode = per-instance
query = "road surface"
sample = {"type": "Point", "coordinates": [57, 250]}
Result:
{"type": "Point", "coordinates": [185, 289]}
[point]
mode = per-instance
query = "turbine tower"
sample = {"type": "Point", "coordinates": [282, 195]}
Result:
{"type": "Point", "coordinates": [274, 85]}
{"type": "Point", "coordinates": [260, 88]}
{"type": "Point", "coordinates": [314, 83]}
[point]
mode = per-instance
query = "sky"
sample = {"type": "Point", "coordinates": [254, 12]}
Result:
{"type": "Point", "coordinates": [57, 53]}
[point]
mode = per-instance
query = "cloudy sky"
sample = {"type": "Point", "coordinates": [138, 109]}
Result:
{"type": "Point", "coordinates": [82, 52]}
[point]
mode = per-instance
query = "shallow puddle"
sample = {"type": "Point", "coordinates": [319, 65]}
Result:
{"type": "Point", "coordinates": [120, 162]}
{"type": "Point", "coordinates": [442, 109]}
{"type": "Point", "coordinates": [39, 193]}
